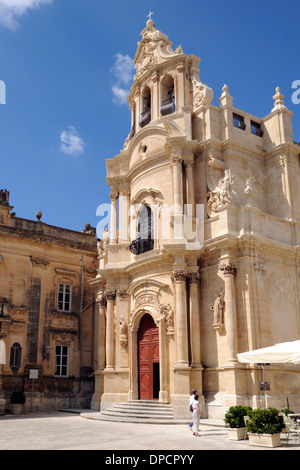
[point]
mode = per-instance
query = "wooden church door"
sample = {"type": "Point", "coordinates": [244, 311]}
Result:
{"type": "Point", "coordinates": [148, 357]}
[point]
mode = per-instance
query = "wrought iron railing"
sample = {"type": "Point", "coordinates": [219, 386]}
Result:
{"type": "Point", "coordinates": [145, 117]}
{"type": "Point", "coordinates": [141, 245]}
{"type": "Point", "coordinates": [167, 106]}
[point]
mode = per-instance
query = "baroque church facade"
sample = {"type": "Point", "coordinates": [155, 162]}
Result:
{"type": "Point", "coordinates": [202, 259]}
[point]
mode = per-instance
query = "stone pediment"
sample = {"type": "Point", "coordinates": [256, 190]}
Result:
{"type": "Point", "coordinates": [154, 48]}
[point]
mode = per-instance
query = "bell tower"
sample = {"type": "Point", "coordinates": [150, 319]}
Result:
{"type": "Point", "coordinates": [166, 82]}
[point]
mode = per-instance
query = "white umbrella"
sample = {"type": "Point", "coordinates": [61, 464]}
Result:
{"type": "Point", "coordinates": [277, 354]}
{"type": "Point", "coordinates": [2, 352]}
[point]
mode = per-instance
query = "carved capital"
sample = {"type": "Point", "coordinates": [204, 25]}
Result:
{"type": "Point", "coordinates": [228, 268]}
{"type": "Point", "coordinates": [189, 164]}
{"type": "Point", "coordinates": [110, 295]}
{"type": "Point", "coordinates": [114, 195]}
{"type": "Point", "coordinates": [193, 277]}
{"type": "Point", "coordinates": [125, 192]}
{"type": "Point", "coordinates": [179, 276]}
{"type": "Point", "coordinates": [259, 268]}
{"type": "Point", "coordinates": [122, 294]}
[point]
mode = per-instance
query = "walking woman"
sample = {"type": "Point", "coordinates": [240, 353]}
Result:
{"type": "Point", "coordinates": [196, 415]}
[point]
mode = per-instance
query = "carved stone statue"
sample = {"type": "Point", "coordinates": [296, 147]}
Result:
{"type": "Point", "coordinates": [104, 242]}
{"type": "Point", "coordinates": [218, 309]}
{"type": "Point", "coordinates": [249, 190]}
{"type": "Point", "coordinates": [4, 197]}
{"type": "Point", "coordinates": [222, 195]}
{"type": "Point", "coordinates": [123, 332]}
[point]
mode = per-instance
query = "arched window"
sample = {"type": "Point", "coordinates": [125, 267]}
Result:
{"type": "Point", "coordinates": [146, 107]}
{"type": "Point", "coordinates": [15, 357]}
{"type": "Point", "coordinates": [167, 95]}
{"type": "Point", "coordinates": [144, 241]}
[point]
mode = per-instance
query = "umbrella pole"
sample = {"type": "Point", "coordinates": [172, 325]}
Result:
{"type": "Point", "coordinates": [263, 368]}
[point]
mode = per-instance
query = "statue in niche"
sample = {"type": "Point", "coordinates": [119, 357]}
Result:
{"type": "Point", "coordinates": [123, 333]}
{"type": "Point", "coordinates": [218, 310]}
{"type": "Point", "coordinates": [249, 191]}
{"type": "Point", "coordinates": [222, 195]}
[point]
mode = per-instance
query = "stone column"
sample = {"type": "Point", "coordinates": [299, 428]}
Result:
{"type": "Point", "coordinates": [100, 332]}
{"type": "Point", "coordinates": [230, 320]}
{"type": "Point", "coordinates": [123, 215]}
{"type": "Point", "coordinates": [181, 318]}
{"type": "Point", "coordinates": [194, 319]}
{"type": "Point", "coordinates": [155, 108]}
{"type": "Point", "coordinates": [189, 164]}
{"type": "Point", "coordinates": [180, 88]}
{"type": "Point", "coordinates": [181, 369]}
{"type": "Point", "coordinates": [99, 352]}
{"type": "Point", "coordinates": [113, 217]}
{"type": "Point", "coordinates": [176, 158]}
{"type": "Point", "coordinates": [110, 330]}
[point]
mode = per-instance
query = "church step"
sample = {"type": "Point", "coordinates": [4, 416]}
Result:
{"type": "Point", "coordinates": [138, 413]}
{"type": "Point", "coordinates": [148, 407]}
{"type": "Point", "coordinates": [140, 410]}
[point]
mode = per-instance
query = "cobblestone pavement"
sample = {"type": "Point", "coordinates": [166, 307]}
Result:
{"type": "Point", "coordinates": [68, 431]}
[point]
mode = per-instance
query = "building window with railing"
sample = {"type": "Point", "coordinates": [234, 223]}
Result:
{"type": "Point", "coordinates": [64, 298]}
{"type": "Point", "coordinates": [256, 129]}
{"type": "Point", "coordinates": [61, 361]}
{"type": "Point", "coordinates": [167, 95]}
{"type": "Point", "coordinates": [238, 121]}
{"type": "Point", "coordinates": [146, 107]}
{"type": "Point", "coordinates": [144, 241]}
{"type": "Point", "coordinates": [15, 357]}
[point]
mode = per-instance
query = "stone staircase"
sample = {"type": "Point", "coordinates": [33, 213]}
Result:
{"type": "Point", "coordinates": [141, 411]}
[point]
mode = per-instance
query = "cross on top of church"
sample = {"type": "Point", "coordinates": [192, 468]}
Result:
{"type": "Point", "coordinates": [150, 15]}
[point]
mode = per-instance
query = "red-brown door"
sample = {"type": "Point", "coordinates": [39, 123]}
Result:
{"type": "Point", "coordinates": [148, 344]}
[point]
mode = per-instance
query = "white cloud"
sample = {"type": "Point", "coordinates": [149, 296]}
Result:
{"type": "Point", "coordinates": [11, 10]}
{"type": "Point", "coordinates": [71, 142]}
{"type": "Point", "coordinates": [123, 70]}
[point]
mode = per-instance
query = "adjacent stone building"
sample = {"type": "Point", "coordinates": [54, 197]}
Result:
{"type": "Point", "coordinates": [203, 257]}
{"type": "Point", "coordinates": [46, 311]}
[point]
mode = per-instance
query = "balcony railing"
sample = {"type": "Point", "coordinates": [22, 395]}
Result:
{"type": "Point", "coordinates": [167, 106]}
{"type": "Point", "coordinates": [141, 245]}
{"type": "Point", "coordinates": [145, 117]}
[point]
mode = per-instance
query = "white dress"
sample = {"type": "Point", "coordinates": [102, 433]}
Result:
{"type": "Point", "coordinates": [2, 352]}
{"type": "Point", "coordinates": [196, 417]}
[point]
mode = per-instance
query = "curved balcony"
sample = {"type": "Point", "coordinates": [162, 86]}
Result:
{"type": "Point", "coordinates": [167, 106]}
{"type": "Point", "coordinates": [141, 245]}
{"type": "Point", "coordinates": [145, 117]}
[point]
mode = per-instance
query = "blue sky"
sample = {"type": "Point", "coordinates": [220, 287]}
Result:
{"type": "Point", "coordinates": [66, 67]}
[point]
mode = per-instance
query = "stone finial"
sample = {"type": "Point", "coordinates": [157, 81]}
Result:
{"type": "Point", "coordinates": [225, 89]}
{"type": "Point", "coordinates": [38, 215]}
{"type": "Point", "coordinates": [278, 103]}
{"type": "Point", "coordinates": [225, 98]}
